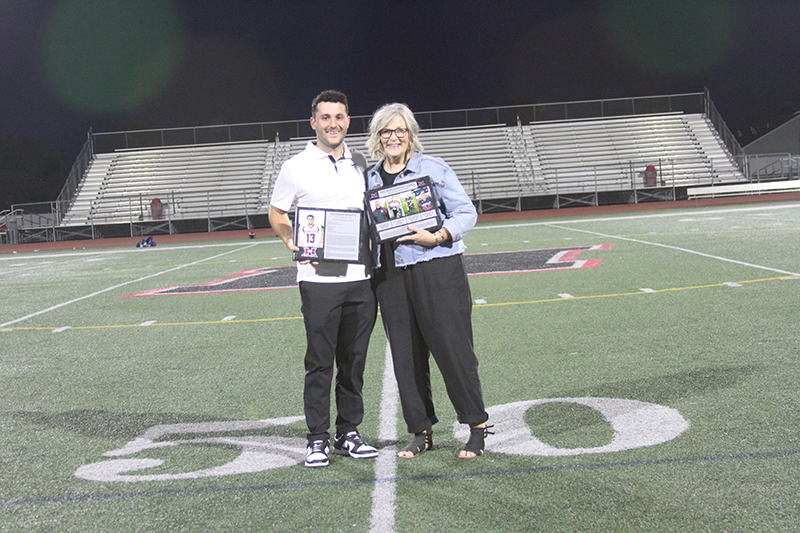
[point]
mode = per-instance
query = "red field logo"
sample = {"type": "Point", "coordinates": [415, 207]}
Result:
{"type": "Point", "coordinates": [480, 264]}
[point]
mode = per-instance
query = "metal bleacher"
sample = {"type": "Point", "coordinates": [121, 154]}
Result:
{"type": "Point", "coordinates": [190, 182]}
{"type": "Point", "coordinates": [573, 160]}
{"type": "Point", "coordinates": [523, 157]}
{"type": "Point", "coordinates": [577, 160]}
{"type": "Point", "coordinates": [483, 158]}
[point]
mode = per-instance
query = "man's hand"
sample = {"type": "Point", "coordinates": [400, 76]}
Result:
{"type": "Point", "coordinates": [279, 220]}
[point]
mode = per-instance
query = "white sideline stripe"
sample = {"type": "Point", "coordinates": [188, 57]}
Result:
{"type": "Point", "coordinates": [165, 248]}
{"type": "Point", "coordinates": [732, 284]}
{"type": "Point", "coordinates": [227, 318]}
{"type": "Point", "coordinates": [648, 290]}
{"type": "Point", "coordinates": [636, 217]}
{"type": "Point", "coordinates": [148, 323]}
{"type": "Point", "coordinates": [686, 250]}
{"type": "Point", "coordinates": [384, 493]}
{"type": "Point", "coordinates": [114, 287]}
{"type": "Point", "coordinates": [566, 295]}
{"type": "Point", "coordinates": [61, 330]}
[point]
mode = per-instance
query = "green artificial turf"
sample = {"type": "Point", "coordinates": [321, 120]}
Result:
{"type": "Point", "coordinates": [693, 310]}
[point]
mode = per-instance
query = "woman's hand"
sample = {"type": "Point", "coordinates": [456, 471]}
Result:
{"type": "Point", "coordinates": [425, 238]}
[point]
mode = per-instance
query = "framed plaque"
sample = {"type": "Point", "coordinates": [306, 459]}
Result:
{"type": "Point", "coordinates": [327, 234]}
{"type": "Point", "coordinates": [393, 208]}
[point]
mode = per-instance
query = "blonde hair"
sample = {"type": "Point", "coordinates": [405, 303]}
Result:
{"type": "Point", "coordinates": [381, 118]}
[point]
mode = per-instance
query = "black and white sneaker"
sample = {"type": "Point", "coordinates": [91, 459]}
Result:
{"type": "Point", "coordinates": [352, 445]}
{"type": "Point", "coordinates": [317, 453]}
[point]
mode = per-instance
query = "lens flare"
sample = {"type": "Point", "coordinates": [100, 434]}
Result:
{"type": "Point", "coordinates": [111, 56]}
{"type": "Point", "coordinates": [671, 37]}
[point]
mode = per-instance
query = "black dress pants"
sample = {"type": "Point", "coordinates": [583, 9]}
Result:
{"type": "Point", "coordinates": [426, 309]}
{"type": "Point", "coordinates": [339, 318]}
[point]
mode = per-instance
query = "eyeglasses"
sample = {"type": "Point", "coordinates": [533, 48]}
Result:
{"type": "Point", "coordinates": [400, 132]}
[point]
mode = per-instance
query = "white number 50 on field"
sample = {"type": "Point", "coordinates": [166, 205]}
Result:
{"type": "Point", "coordinates": [635, 424]}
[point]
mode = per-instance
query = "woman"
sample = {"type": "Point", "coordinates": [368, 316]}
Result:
{"type": "Point", "coordinates": [422, 287]}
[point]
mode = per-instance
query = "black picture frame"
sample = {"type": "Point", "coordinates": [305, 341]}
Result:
{"type": "Point", "coordinates": [393, 208]}
{"type": "Point", "coordinates": [327, 234]}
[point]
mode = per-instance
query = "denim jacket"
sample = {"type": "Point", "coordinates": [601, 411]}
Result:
{"type": "Point", "coordinates": [457, 210]}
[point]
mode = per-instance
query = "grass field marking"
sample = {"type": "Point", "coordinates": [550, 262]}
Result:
{"type": "Point", "coordinates": [678, 248]}
{"type": "Point", "coordinates": [384, 493]}
{"type": "Point", "coordinates": [636, 424]}
{"type": "Point", "coordinates": [565, 299]}
{"type": "Point", "coordinates": [535, 470]}
{"type": "Point", "coordinates": [93, 274]}
{"type": "Point", "coordinates": [681, 213]}
{"type": "Point", "coordinates": [499, 304]}
{"type": "Point", "coordinates": [241, 321]}
{"type": "Point", "coordinates": [165, 248]}
{"type": "Point", "coordinates": [257, 453]}
{"type": "Point", "coordinates": [722, 232]}
{"type": "Point", "coordinates": [157, 324]}
{"type": "Point", "coordinates": [477, 304]}
{"type": "Point", "coordinates": [636, 293]}
{"type": "Point", "coordinates": [117, 286]}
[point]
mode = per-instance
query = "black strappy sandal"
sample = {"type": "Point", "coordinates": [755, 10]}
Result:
{"type": "Point", "coordinates": [476, 442]}
{"type": "Point", "coordinates": [421, 442]}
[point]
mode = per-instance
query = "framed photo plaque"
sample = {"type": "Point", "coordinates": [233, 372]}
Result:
{"type": "Point", "coordinates": [393, 208]}
{"type": "Point", "coordinates": [327, 234]}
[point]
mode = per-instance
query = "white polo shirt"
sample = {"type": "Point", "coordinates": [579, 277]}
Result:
{"type": "Point", "coordinates": [312, 178]}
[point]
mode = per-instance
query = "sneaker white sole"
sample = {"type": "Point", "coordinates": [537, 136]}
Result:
{"type": "Point", "coordinates": [366, 455]}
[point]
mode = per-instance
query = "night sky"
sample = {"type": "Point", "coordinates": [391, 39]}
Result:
{"type": "Point", "coordinates": [68, 66]}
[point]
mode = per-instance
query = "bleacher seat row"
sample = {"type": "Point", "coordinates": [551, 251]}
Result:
{"type": "Point", "coordinates": [492, 162]}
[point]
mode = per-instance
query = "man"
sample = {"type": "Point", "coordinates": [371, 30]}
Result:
{"type": "Point", "coordinates": [338, 305]}
{"type": "Point", "coordinates": [379, 212]}
{"type": "Point", "coordinates": [311, 233]}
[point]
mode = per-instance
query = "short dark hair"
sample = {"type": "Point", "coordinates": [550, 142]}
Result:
{"type": "Point", "coordinates": [336, 97]}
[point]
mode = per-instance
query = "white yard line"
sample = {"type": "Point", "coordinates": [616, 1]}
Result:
{"type": "Point", "coordinates": [114, 287]}
{"type": "Point", "coordinates": [22, 256]}
{"type": "Point", "coordinates": [612, 218]}
{"type": "Point", "coordinates": [383, 495]}
{"type": "Point", "coordinates": [686, 250]}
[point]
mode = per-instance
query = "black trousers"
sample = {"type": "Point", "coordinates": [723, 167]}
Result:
{"type": "Point", "coordinates": [427, 309]}
{"type": "Point", "coordinates": [339, 318]}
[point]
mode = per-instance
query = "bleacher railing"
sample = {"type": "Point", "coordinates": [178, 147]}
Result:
{"type": "Point", "coordinates": [70, 189]}
{"type": "Point", "coordinates": [133, 208]}
{"type": "Point", "coordinates": [4, 219]}
{"type": "Point", "coordinates": [772, 167]}
{"type": "Point", "coordinates": [49, 215]}
{"type": "Point", "coordinates": [724, 132]}
{"type": "Point", "coordinates": [41, 217]}
{"type": "Point", "coordinates": [428, 120]}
